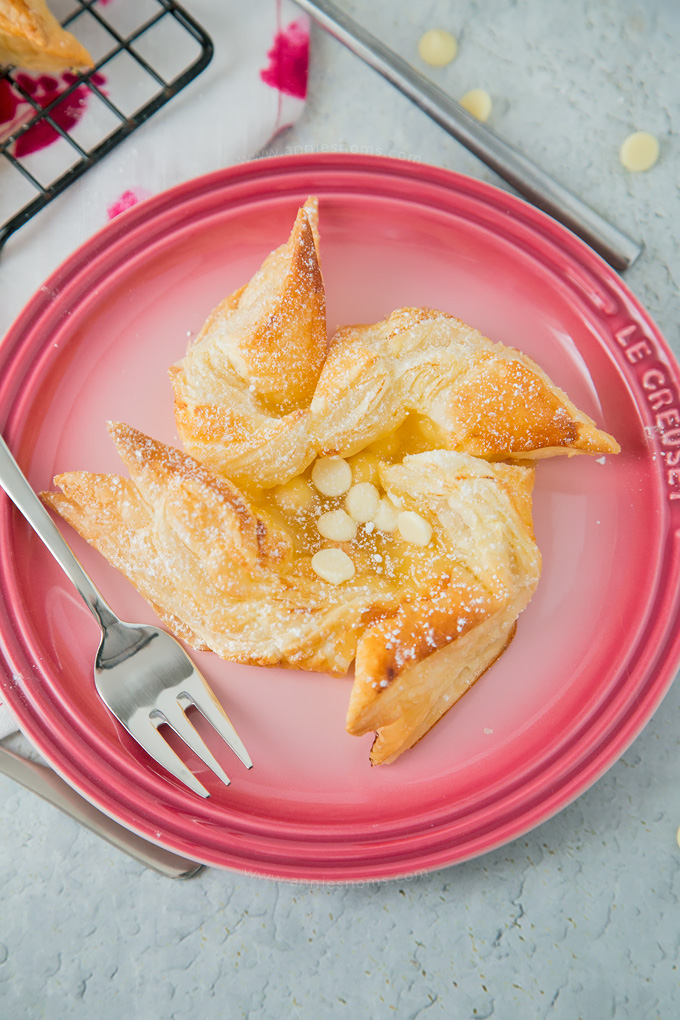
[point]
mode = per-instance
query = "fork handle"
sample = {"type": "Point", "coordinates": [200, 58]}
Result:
{"type": "Point", "coordinates": [16, 485]}
{"type": "Point", "coordinates": [526, 177]}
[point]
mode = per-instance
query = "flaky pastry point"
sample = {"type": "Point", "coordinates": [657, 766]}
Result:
{"type": "Point", "coordinates": [481, 398]}
{"type": "Point", "coordinates": [242, 391]}
{"type": "Point", "coordinates": [215, 567]}
{"type": "Point", "coordinates": [412, 667]}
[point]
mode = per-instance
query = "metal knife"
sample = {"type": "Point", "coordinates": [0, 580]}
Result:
{"type": "Point", "coordinates": [513, 166]}
{"type": "Point", "coordinates": [47, 784]}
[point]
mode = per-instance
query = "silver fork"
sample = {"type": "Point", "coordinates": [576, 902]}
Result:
{"type": "Point", "coordinates": [142, 674]}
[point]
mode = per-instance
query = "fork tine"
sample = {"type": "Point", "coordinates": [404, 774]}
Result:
{"type": "Point", "coordinates": [145, 733]}
{"type": "Point", "coordinates": [174, 715]}
{"type": "Point", "coordinates": [198, 693]}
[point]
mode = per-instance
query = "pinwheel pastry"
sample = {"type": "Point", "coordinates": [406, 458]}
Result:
{"type": "Point", "coordinates": [32, 38]}
{"type": "Point", "coordinates": [368, 504]}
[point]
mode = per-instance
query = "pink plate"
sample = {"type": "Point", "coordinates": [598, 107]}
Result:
{"type": "Point", "coordinates": [595, 651]}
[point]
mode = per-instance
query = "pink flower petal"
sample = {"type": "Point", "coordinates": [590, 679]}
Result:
{"type": "Point", "coordinates": [126, 201]}
{"type": "Point", "coordinates": [44, 89]}
{"type": "Point", "coordinates": [289, 60]}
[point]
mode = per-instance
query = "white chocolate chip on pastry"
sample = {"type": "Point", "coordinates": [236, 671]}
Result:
{"type": "Point", "coordinates": [337, 526]}
{"type": "Point", "coordinates": [224, 577]}
{"type": "Point", "coordinates": [332, 476]}
{"type": "Point", "coordinates": [413, 528]}
{"type": "Point", "coordinates": [365, 467]}
{"type": "Point", "coordinates": [362, 502]}
{"type": "Point", "coordinates": [386, 516]}
{"type": "Point", "coordinates": [333, 565]}
{"type": "Point", "coordinates": [294, 495]}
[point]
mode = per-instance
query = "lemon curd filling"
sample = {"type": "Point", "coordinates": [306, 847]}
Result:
{"type": "Point", "coordinates": [343, 524]}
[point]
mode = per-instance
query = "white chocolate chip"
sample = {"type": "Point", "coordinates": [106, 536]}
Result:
{"type": "Point", "coordinates": [337, 526]}
{"type": "Point", "coordinates": [386, 516]}
{"type": "Point", "coordinates": [478, 103]}
{"type": "Point", "coordinates": [639, 151]}
{"type": "Point", "coordinates": [332, 476]}
{"type": "Point", "coordinates": [437, 47]}
{"type": "Point", "coordinates": [333, 565]}
{"type": "Point", "coordinates": [362, 502]}
{"type": "Point", "coordinates": [365, 467]}
{"type": "Point", "coordinates": [294, 495]}
{"type": "Point", "coordinates": [414, 528]}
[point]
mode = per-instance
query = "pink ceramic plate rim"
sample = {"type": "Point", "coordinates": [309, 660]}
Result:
{"type": "Point", "coordinates": [449, 836]}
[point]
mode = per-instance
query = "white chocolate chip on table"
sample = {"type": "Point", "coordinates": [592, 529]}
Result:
{"type": "Point", "coordinates": [478, 103]}
{"type": "Point", "coordinates": [639, 151]}
{"type": "Point", "coordinates": [332, 476]}
{"type": "Point", "coordinates": [437, 47]}
{"type": "Point", "coordinates": [333, 565]}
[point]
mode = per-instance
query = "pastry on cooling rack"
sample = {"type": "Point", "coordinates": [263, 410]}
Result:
{"type": "Point", "coordinates": [32, 38]}
{"type": "Point", "coordinates": [366, 502]}
{"type": "Point", "coordinates": [419, 574]}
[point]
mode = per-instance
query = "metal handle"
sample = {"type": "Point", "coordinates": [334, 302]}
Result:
{"type": "Point", "coordinates": [529, 180]}
{"type": "Point", "coordinates": [16, 485]}
{"type": "Point", "coordinates": [48, 785]}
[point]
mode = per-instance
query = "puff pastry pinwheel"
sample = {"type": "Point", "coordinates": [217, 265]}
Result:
{"type": "Point", "coordinates": [32, 38]}
{"type": "Point", "coordinates": [366, 501]}
{"type": "Point", "coordinates": [242, 392]}
{"type": "Point", "coordinates": [240, 578]}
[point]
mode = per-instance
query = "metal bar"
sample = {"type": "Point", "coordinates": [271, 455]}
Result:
{"type": "Point", "coordinates": [529, 180]}
{"type": "Point", "coordinates": [50, 787]}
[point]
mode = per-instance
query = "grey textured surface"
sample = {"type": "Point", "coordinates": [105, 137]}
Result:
{"type": "Point", "coordinates": [577, 919]}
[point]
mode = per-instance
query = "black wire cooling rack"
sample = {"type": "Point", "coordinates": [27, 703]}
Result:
{"type": "Point", "coordinates": [144, 52]}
